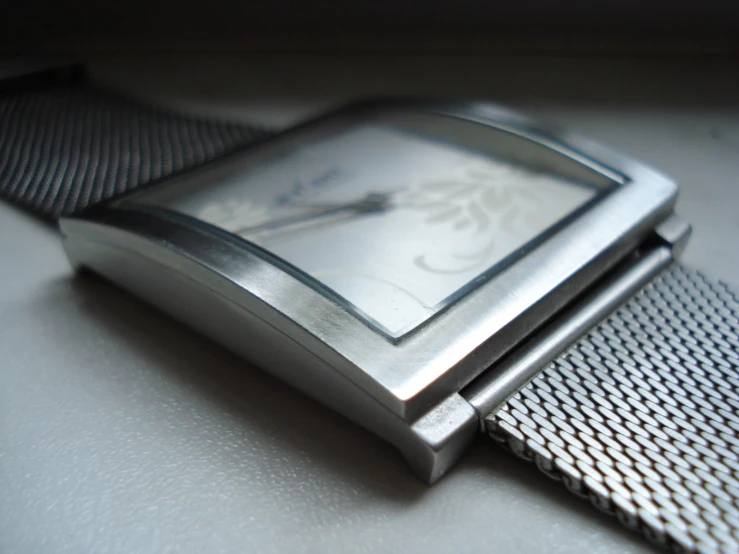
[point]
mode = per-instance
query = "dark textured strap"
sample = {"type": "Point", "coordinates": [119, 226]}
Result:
{"type": "Point", "coordinates": [642, 414]}
{"type": "Point", "coordinates": [65, 147]}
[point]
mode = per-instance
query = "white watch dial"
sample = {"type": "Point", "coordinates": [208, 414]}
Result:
{"type": "Point", "coordinates": [394, 222]}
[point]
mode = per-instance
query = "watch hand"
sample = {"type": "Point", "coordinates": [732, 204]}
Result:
{"type": "Point", "coordinates": [372, 203]}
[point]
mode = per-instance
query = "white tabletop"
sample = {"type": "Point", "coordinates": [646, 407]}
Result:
{"type": "Point", "coordinates": [122, 431]}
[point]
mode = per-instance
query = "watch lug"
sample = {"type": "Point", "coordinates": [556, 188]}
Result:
{"type": "Point", "coordinates": [674, 232]}
{"type": "Point", "coordinates": [442, 436]}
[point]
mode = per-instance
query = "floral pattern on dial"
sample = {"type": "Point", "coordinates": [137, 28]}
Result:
{"type": "Point", "coordinates": [496, 199]}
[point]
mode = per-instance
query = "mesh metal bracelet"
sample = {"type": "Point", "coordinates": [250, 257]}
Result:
{"type": "Point", "coordinates": [67, 146]}
{"type": "Point", "coordinates": [641, 415]}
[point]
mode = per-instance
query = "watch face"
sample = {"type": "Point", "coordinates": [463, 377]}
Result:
{"type": "Point", "coordinates": [392, 223]}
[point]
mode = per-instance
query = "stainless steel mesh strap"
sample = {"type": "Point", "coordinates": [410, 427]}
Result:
{"type": "Point", "coordinates": [65, 147]}
{"type": "Point", "coordinates": [642, 414]}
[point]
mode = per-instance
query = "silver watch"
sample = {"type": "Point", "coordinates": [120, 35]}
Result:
{"type": "Point", "coordinates": [434, 270]}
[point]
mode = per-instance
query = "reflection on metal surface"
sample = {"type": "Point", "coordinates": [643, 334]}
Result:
{"type": "Point", "coordinates": [642, 415]}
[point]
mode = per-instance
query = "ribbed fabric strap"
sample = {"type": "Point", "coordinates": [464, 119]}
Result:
{"type": "Point", "coordinates": [642, 415]}
{"type": "Point", "coordinates": [65, 147]}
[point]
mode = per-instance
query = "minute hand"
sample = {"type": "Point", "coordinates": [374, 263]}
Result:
{"type": "Point", "coordinates": [372, 203]}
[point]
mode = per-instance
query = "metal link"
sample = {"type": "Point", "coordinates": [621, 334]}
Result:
{"type": "Point", "coordinates": [641, 416]}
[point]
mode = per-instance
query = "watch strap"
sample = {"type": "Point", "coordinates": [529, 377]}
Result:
{"type": "Point", "coordinates": [641, 415]}
{"type": "Point", "coordinates": [67, 146]}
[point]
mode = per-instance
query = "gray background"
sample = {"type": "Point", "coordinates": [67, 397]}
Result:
{"type": "Point", "coordinates": [122, 431]}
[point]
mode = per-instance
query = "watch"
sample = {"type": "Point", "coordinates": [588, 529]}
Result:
{"type": "Point", "coordinates": [433, 270]}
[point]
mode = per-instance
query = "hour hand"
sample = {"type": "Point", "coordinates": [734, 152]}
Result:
{"type": "Point", "coordinates": [374, 202]}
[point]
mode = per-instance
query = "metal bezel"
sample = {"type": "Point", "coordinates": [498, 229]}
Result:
{"type": "Point", "coordinates": [441, 356]}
